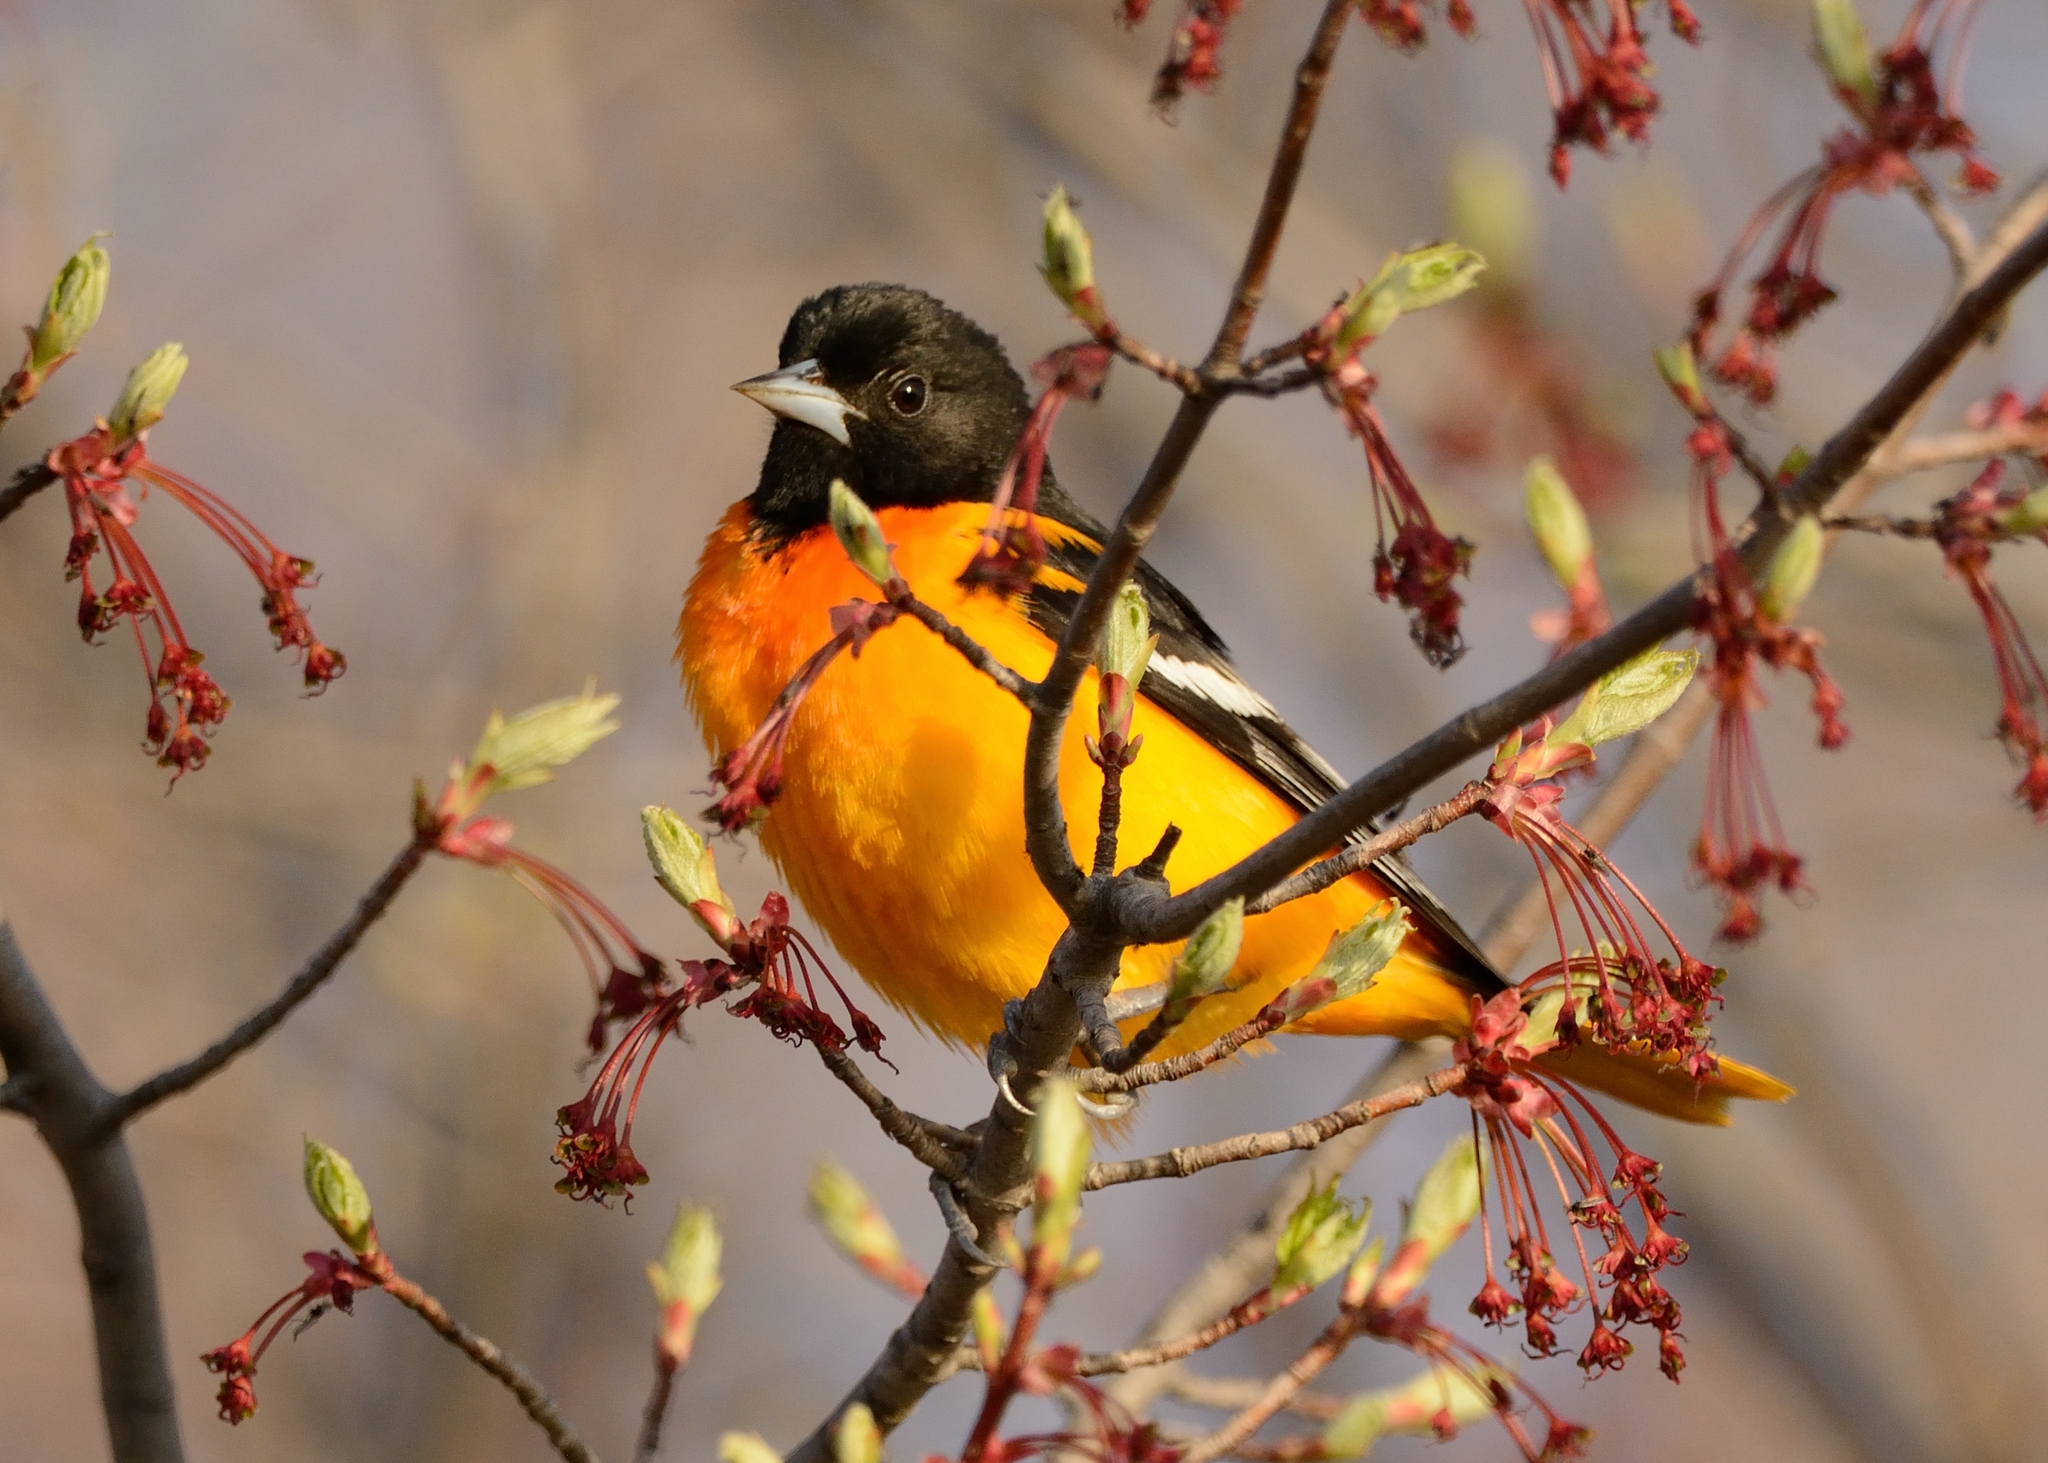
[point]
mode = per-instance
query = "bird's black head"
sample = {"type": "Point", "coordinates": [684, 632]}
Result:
{"type": "Point", "coordinates": [882, 385]}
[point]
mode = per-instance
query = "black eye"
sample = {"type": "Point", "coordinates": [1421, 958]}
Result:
{"type": "Point", "coordinates": [909, 395]}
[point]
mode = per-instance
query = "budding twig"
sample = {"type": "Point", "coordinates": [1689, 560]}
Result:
{"type": "Point", "coordinates": [31, 480]}
{"type": "Point", "coordinates": [973, 651]}
{"type": "Point", "coordinates": [1280, 1391]}
{"type": "Point", "coordinates": [1173, 1069]}
{"type": "Point", "coordinates": [1320, 876]}
{"type": "Point", "coordinates": [935, 1145]}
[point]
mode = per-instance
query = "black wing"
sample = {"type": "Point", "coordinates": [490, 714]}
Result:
{"type": "Point", "coordinates": [1191, 677]}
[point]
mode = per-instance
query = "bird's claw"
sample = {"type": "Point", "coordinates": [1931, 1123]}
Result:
{"type": "Point", "coordinates": [958, 1225]}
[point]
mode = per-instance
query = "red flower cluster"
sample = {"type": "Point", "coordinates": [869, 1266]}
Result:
{"type": "Point", "coordinates": [1903, 113]}
{"type": "Point", "coordinates": [185, 701]}
{"type": "Point", "coordinates": [1966, 526]}
{"type": "Point", "coordinates": [1191, 56]}
{"type": "Point", "coordinates": [1595, 81]}
{"type": "Point", "coordinates": [596, 1147]}
{"type": "Point", "coordinates": [1511, 1097]}
{"type": "Point", "coordinates": [334, 1281]}
{"type": "Point", "coordinates": [1636, 999]}
{"type": "Point", "coordinates": [1741, 848]}
{"type": "Point", "coordinates": [1113, 1435]}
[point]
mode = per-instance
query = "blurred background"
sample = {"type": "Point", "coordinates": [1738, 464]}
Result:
{"type": "Point", "coordinates": [464, 282]}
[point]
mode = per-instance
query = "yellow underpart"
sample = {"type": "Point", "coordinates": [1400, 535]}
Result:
{"type": "Point", "coordinates": [901, 822]}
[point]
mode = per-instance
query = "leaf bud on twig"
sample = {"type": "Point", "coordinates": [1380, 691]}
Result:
{"type": "Point", "coordinates": [1681, 373]}
{"type": "Point", "coordinates": [1060, 1151]}
{"type": "Point", "coordinates": [1406, 283]}
{"type": "Point", "coordinates": [1628, 698]}
{"type": "Point", "coordinates": [148, 391]}
{"type": "Point", "coordinates": [1843, 50]}
{"type": "Point", "coordinates": [855, 1438]}
{"type": "Point", "coordinates": [1793, 570]}
{"type": "Point", "coordinates": [1069, 264]}
{"type": "Point", "coordinates": [858, 1227]}
{"type": "Point", "coordinates": [684, 866]}
{"type": "Point", "coordinates": [860, 533]}
{"type": "Point", "coordinates": [340, 1198]}
{"type": "Point", "coordinates": [1322, 1235]}
{"type": "Point", "coordinates": [1348, 966]}
{"type": "Point", "coordinates": [525, 751]}
{"type": "Point", "coordinates": [1442, 1395]}
{"type": "Point", "coordinates": [1205, 962]}
{"type": "Point", "coordinates": [685, 1281]}
{"type": "Point", "coordinates": [1557, 521]}
{"type": "Point", "coordinates": [76, 297]}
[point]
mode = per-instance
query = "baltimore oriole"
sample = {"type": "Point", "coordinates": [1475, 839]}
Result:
{"type": "Point", "coordinates": [899, 825]}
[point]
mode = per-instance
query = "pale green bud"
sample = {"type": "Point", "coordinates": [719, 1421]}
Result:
{"type": "Point", "coordinates": [1128, 641]}
{"type": "Point", "coordinates": [339, 1197]}
{"type": "Point", "coordinates": [1069, 263]}
{"type": "Point", "coordinates": [1794, 568]}
{"type": "Point", "coordinates": [1681, 373]}
{"type": "Point", "coordinates": [1060, 1152]}
{"type": "Point", "coordinates": [1084, 1266]}
{"type": "Point", "coordinates": [1557, 521]}
{"type": "Point", "coordinates": [855, 1438]}
{"type": "Point", "coordinates": [1793, 463]}
{"type": "Point", "coordinates": [1446, 1201]}
{"type": "Point", "coordinates": [860, 533]}
{"type": "Point", "coordinates": [2029, 515]}
{"type": "Point", "coordinates": [852, 1218]}
{"type": "Point", "coordinates": [1493, 208]}
{"type": "Point", "coordinates": [684, 866]}
{"type": "Point", "coordinates": [1364, 1270]}
{"type": "Point", "coordinates": [1843, 50]}
{"type": "Point", "coordinates": [1406, 283]}
{"type": "Point", "coordinates": [525, 751]}
{"type": "Point", "coordinates": [1628, 698]}
{"type": "Point", "coordinates": [149, 390]}
{"type": "Point", "coordinates": [1321, 1236]}
{"type": "Point", "coordinates": [1412, 1408]}
{"type": "Point", "coordinates": [1205, 962]}
{"type": "Point", "coordinates": [745, 1448]}
{"type": "Point", "coordinates": [73, 308]}
{"type": "Point", "coordinates": [1362, 952]}
{"type": "Point", "coordinates": [685, 1279]}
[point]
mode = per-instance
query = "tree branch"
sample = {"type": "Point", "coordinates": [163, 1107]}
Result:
{"type": "Point", "coordinates": [1173, 1069]}
{"type": "Point", "coordinates": [67, 1104]}
{"type": "Point", "coordinates": [266, 1019]}
{"type": "Point", "coordinates": [1944, 449]}
{"type": "Point", "coordinates": [655, 1412]}
{"type": "Point", "coordinates": [27, 483]}
{"type": "Point", "coordinates": [934, 1145]}
{"type": "Point", "coordinates": [1280, 1391]}
{"type": "Point", "coordinates": [486, 1354]}
{"type": "Point", "coordinates": [1320, 876]}
{"type": "Point", "coordinates": [976, 654]}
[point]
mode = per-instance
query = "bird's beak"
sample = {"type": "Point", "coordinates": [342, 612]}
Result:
{"type": "Point", "coordinates": [799, 392]}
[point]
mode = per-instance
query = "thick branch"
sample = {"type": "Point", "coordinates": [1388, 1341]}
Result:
{"type": "Point", "coordinates": [266, 1019]}
{"type": "Point", "coordinates": [1839, 459]}
{"type": "Point", "coordinates": [485, 1353]}
{"type": "Point", "coordinates": [27, 483]}
{"type": "Point", "coordinates": [1178, 1163]}
{"type": "Point", "coordinates": [68, 1105]}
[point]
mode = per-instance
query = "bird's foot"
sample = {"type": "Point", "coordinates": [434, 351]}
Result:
{"type": "Point", "coordinates": [958, 1225]}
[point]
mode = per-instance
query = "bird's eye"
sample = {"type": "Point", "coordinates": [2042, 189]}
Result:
{"type": "Point", "coordinates": [908, 396]}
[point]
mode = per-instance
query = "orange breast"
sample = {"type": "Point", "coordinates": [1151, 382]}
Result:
{"type": "Point", "coordinates": [901, 822]}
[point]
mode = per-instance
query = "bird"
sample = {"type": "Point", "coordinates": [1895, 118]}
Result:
{"type": "Point", "coordinates": [899, 824]}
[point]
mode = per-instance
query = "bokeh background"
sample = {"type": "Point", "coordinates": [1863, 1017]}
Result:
{"type": "Point", "coordinates": [464, 282]}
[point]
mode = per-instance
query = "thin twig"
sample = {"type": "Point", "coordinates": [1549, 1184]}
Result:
{"type": "Point", "coordinates": [1945, 449]}
{"type": "Point", "coordinates": [975, 653]}
{"type": "Point", "coordinates": [1178, 1163]}
{"type": "Point", "coordinates": [1280, 1391]}
{"type": "Point", "coordinates": [486, 1354]}
{"type": "Point", "coordinates": [27, 483]}
{"type": "Point", "coordinates": [934, 1145]}
{"type": "Point", "coordinates": [1283, 384]}
{"type": "Point", "coordinates": [657, 1408]}
{"type": "Point", "coordinates": [1165, 367]}
{"type": "Point", "coordinates": [266, 1019]}
{"type": "Point", "coordinates": [1320, 876]}
{"type": "Point", "coordinates": [1173, 1069]}
{"type": "Point", "coordinates": [1229, 1394]}
{"type": "Point", "coordinates": [1949, 226]}
{"type": "Point", "coordinates": [1288, 350]}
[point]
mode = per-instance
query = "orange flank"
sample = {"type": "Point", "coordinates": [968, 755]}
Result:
{"type": "Point", "coordinates": [900, 827]}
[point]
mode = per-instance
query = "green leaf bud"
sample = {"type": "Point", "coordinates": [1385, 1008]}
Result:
{"type": "Point", "coordinates": [1628, 698]}
{"type": "Point", "coordinates": [76, 297]}
{"type": "Point", "coordinates": [339, 1197]}
{"type": "Point", "coordinates": [855, 1438]}
{"type": "Point", "coordinates": [684, 866]}
{"type": "Point", "coordinates": [685, 1279]}
{"type": "Point", "coordinates": [148, 392]}
{"type": "Point", "coordinates": [1406, 283]}
{"type": "Point", "coordinates": [525, 751]}
{"type": "Point", "coordinates": [1557, 521]}
{"type": "Point", "coordinates": [1204, 964]}
{"type": "Point", "coordinates": [1350, 963]}
{"type": "Point", "coordinates": [1416, 1407]}
{"type": "Point", "coordinates": [1681, 373]}
{"type": "Point", "coordinates": [860, 533]}
{"type": "Point", "coordinates": [1843, 50]}
{"type": "Point", "coordinates": [854, 1221]}
{"type": "Point", "coordinates": [1060, 1151]}
{"type": "Point", "coordinates": [1127, 640]}
{"type": "Point", "coordinates": [1793, 570]}
{"type": "Point", "coordinates": [1446, 1201]}
{"type": "Point", "coordinates": [1321, 1236]}
{"type": "Point", "coordinates": [1069, 263]}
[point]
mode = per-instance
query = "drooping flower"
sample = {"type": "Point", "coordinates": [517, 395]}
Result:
{"type": "Point", "coordinates": [1191, 56]}
{"type": "Point", "coordinates": [97, 471]}
{"type": "Point", "coordinates": [333, 1281]}
{"type": "Point", "coordinates": [1966, 527]}
{"type": "Point", "coordinates": [1597, 76]}
{"type": "Point", "coordinates": [1898, 112]}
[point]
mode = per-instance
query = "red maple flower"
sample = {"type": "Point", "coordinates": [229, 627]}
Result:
{"type": "Point", "coordinates": [186, 703]}
{"type": "Point", "coordinates": [1966, 526]}
{"type": "Point", "coordinates": [1898, 111]}
{"type": "Point", "coordinates": [1191, 57]}
{"type": "Point", "coordinates": [1597, 78]}
{"type": "Point", "coordinates": [334, 1280]}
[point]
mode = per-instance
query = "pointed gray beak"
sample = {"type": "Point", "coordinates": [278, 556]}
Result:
{"type": "Point", "coordinates": [799, 392]}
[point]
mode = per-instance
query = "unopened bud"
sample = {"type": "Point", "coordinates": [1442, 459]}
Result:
{"type": "Point", "coordinates": [1069, 264]}
{"type": "Point", "coordinates": [1681, 373]}
{"type": "Point", "coordinates": [684, 866]}
{"type": "Point", "coordinates": [1406, 283]}
{"type": "Point", "coordinates": [77, 295]}
{"type": "Point", "coordinates": [1794, 568]}
{"type": "Point", "coordinates": [147, 393]}
{"type": "Point", "coordinates": [856, 1225]}
{"type": "Point", "coordinates": [1205, 962]}
{"type": "Point", "coordinates": [525, 751]}
{"type": "Point", "coordinates": [1127, 644]}
{"type": "Point", "coordinates": [860, 533]}
{"type": "Point", "coordinates": [2029, 515]}
{"type": "Point", "coordinates": [1442, 1394]}
{"type": "Point", "coordinates": [855, 1438]}
{"type": "Point", "coordinates": [686, 1280]}
{"type": "Point", "coordinates": [1321, 1236]}
{"type": "Point", "coordinates": [1350, 963]}
{"type": "Point", "coordinates": [988, 1328]}
{"type": "Point", "coordinates": [1060, 1151]}
{"type": "Point", "coordinates": [1083, 1266]}
{"type": "Point", "coordinates": [1364, 1270]}
{"type": "Point", "coordinates": [1446, 1201]}
{"type": "Point", "coordinates": [339, 1197]}
{"type": "Point", "coordinates": [745, 1448]}
{"type": "Point", "coordinates": [1843, 50]}
{"type": "Point", "coordinates": [1493, 207]}
{"type": "Point", "coordinates": [1628, 698]}
{"type": "Point", "coordinates": [1557, 521]}
{"type": "Point", "coordinates": [1792, 464]}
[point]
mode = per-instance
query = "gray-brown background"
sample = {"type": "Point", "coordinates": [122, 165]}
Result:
{"type": "Point", "coordinates": [463, 283]}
